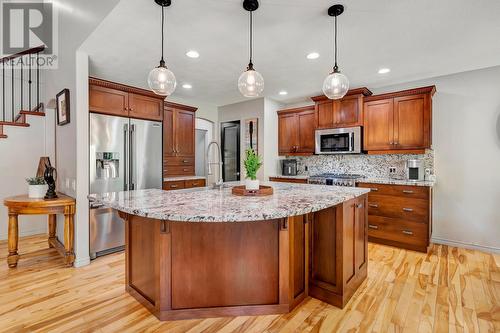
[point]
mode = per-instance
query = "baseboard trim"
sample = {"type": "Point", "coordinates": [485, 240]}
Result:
{"type": "Point", "coordinates": [80, 262]}
{"type": "Point", "coordinates": [24, 233]}
{"type": "Point", "coordinates": [448, 242]}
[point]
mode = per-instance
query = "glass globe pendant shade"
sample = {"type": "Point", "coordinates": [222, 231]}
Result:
{"type": "Point", "coordinates": [251, 83]}
{"type": "Point", "coordinates": [162, 81]}
{"type": "Point", "coordinates": [335, 85]}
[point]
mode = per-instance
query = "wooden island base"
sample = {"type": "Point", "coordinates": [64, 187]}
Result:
{"type": "Point", "coordinates": [184, 270]}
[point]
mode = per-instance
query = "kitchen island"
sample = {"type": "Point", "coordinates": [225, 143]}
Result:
{"type": "Point", "coordinates": [207, 253]}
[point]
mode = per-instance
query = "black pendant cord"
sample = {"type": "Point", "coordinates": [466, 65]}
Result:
{"type": "Point", "coordinates": [162, 61]}
{"type": "Point", "coordinates": [250, 64]}
{"type": "Point", "coordinates": [335, 67]}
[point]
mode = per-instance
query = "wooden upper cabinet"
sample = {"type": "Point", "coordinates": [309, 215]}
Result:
{"type": "Point", "coordinates": [178, 130]}
{"type": "Point", "coordinates": [379, 125]}
{"type": "Point", "coordinates": [399, 122]}
{"type": "Point", "coordinates": [109, 101]}
{"type": "Point", "coordinates": [348, 111]}
{"type": "Point", "coordinates": [306, 127]}
{"type": "Point", "coordinates": [296, 131]}
{"type": "Point", "coordinates": [184, 132]}
{"type": "Point", "coordinates": [168, 130]}
{"type": "Point", "coordinates": [288, 137]}
{"type": "Point", "coordinates": [412, 121]}
{"type": "Point", "coordinates": [324, 114]}
{"type": "Point", "coordinates": [121, 100]}
{"type": "Point", "coordinates": [145, 107]}
{"type": "Point", "coordinates": [345, 112]}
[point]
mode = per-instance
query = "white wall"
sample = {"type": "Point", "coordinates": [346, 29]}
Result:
{"type": "Point", "coordinates": [272, 161]}
{"type": "Point", "coordinates": [20, 154]}
{"type": "Point", "coordinates": [241, 111]}
{"type": "Point", "coordinates": [466, 141]}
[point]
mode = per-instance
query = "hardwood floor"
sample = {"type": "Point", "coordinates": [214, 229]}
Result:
{"type": "Point", "coordinates": [448, 290]}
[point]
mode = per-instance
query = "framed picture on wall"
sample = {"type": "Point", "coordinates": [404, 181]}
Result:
{"type": "Point", "coordinates": [62, 107]}
{"type": "Point", "coordinates": [251, 134]}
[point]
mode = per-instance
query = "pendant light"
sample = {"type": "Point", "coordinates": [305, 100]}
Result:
{"type": "Point", "coordinates": [336, 84]}
{"type": "Point", "coordinates": [161, 79]}
{"type": "Point", "coordinates": [251, 82]}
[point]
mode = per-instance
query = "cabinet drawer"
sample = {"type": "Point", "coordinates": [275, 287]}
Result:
{"type": "Point", "coordinates": [169, 161]}
{"type": "Point", "coordinates": [190, 183]}
{"type": "Point", "coordinates": [179, 170]}
{"type": "Point", "coordinates": [173, 185]}
{"type": "Point", "coordinates": [398, 207]}
{"type": "Point", "coordinates": [417, 192]}
{"type": "Point", "coordinates": [403, 231]}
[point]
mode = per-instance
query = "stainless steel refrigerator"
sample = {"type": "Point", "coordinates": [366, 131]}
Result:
{"type": "Point", "coordinates": [125, 154]}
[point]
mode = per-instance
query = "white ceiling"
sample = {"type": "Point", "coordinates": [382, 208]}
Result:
{"type": "Point", "coordinates": [415, 39]}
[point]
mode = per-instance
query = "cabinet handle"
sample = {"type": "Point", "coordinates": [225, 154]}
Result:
{"type": "Point", "coordinates": [407, 232]}
{"type": "Point", "coordinates": [407, 192]}
{"type": "Point", "coordinates": [359, 206]}
{"type": "Point", "coordinates": [373, 205]}
{"type": "Point", "coordinates": [173, 186]}
{"type": "Point", "coordinates": [374, 189]}
{"type": "Point", "coordinates": [185, 161]}
{"type": "Point", "coordinates": [372, 226]}
{"type": "Point", "coordinates": [408, 209]}
{"type": "Point", "coordinates": [391, 143]}
{"type": "Point", "coordinates": [185, 169]}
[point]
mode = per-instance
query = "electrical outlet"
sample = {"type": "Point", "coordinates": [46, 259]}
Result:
{"type": "Point", "coordinates": [392, 170]}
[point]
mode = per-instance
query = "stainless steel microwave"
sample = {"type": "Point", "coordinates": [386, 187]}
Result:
{"type": "Point", "coordinates": [339, 141]}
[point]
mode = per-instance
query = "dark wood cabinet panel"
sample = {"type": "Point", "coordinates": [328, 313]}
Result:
{"type": "Point", "coordinates": [324, 111]}
{"type": "Point", "coordinates": [288, 180]}
{"type": "Point", "coordinates": [360, 233]}
{"type": "Point", "coordinates": [184, 133]}
{"type": "Point", "coordinates": [108, 101]}
{"type": "Point", "coordinates": [412, 122]}
{"type": "Point", "coordinates": [190, 183]}
{"type": "Point", "coordinates": [348, 111]}
{"type": "Point", "coordinates": [178, 139]}
{"type": "Point", "coordinates": [379, 125]}
{"type": "Point", "coordinates": [121, 100]}
{"type": "Point", "coordinates": [296, 131]}
{"type": "Point", "coordinates": [174, 185]}
{"type": "Point", "coordinates": [306, 120]}
{"type": "Point", "coordinates": [168, 130]}
{"type": "Point", "coordinates": [145, 107]}
{"type": "Point", "coordinates": [399, 122]}
{"type": "Point", "coordinates": [400, 215]}
{"type": "Point", "coordinates": [288, 138]}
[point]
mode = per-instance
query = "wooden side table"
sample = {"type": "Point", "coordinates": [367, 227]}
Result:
{"type": "Point", "coordinates": [22, 205]}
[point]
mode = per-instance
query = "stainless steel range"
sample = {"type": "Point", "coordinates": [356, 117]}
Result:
{"type": "Point", "coordinates": [336, 179]}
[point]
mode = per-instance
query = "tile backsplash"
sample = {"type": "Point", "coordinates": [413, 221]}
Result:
{"type": "Point", "coordinates": [372, 166]}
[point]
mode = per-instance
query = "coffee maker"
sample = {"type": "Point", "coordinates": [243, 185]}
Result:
{"type": "Point", "coordinates": [415, 170]}
{"type": "Point", "coordinates": [289, 167]}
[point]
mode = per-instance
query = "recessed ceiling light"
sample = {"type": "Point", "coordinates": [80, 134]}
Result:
{"type": "Point", "coordinates": [384, 70]}
{"type": "Point", "coordinates": [313, 55]}
{"type": "Point", "coordinates": [192, 54]}
{"type": "Point", "coordinates": [187, 86]}
{"type": "Point", "coordinates": [283, 92]}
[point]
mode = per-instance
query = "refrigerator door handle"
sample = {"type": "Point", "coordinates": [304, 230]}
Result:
{"type": "Point", "coordinates": [125, 158]}
{"type": "Point", "coordinates": [132, 157]}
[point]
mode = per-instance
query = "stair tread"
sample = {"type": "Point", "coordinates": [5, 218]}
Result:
{"type": "Point", "coordinates": [10, 123]}
{"type": "Point", "coordinates": [32, 113]}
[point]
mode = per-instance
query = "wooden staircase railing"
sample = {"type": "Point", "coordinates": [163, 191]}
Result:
{"type": "Point", "coordinates": [20, 94]}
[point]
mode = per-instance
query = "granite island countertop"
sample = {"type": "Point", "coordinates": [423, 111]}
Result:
{"type": "Point", "coordinates": [213, 205]}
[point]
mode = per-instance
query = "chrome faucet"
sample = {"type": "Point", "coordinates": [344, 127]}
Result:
{"type": "Point", "coordinates": [218, 184]}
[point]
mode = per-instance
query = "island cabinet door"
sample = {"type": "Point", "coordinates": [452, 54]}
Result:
{"type": "Point", "coordinates": [361, 233]}
{"type": "Point", "coordinates": [325, 273]}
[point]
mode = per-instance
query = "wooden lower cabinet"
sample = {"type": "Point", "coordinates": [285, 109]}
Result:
{"type": "Point", "coordinates": [183, 270]}
{"type": "Point", "coordinates": [400, 215]}
{"type": "Point", "coordinates": [338, 252]}
{"type": "Point", "coordinates": [288, 180]}
{"type": "Point", "coordinates": [182, 184]}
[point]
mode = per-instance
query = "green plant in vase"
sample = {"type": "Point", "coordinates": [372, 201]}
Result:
{"type": "Point", "coordinates": [252, 164]}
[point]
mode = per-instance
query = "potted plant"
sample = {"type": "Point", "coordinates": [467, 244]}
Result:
{"type": "Point", "coordinates": [37, 187]}
{"type": "Point", "coordinates": [252, 163]}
